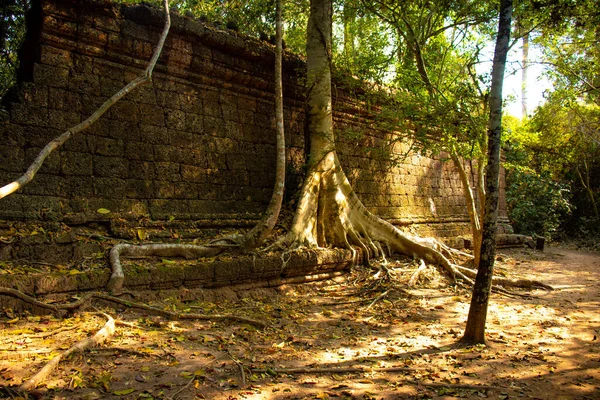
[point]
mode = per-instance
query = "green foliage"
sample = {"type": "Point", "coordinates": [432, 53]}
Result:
{"type": "Point", "coordinates": [361, 43]}
{"type": "Point", "coordinates": [12, 32]}
{"type": "Point", "coordinates": [537, 205]}
{"type": "Point", "coordinates": [552, 164]}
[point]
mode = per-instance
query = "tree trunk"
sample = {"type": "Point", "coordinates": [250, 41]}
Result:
{"type": "Point", "coordinates": [263, 229]}
{"type": "Point", "coordinates": [587, 187]}
{"type": "Point", "coordinates": [329, 212]}
{"type": "Point", "coordinates": [475, 329]}
{"type": "Point", "coordinates": [524, 75]}
{"type": "Point", "coordinates": [474, 215]}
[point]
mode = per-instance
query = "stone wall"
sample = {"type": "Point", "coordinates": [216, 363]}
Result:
{"type": "Point", "coordinates": [196, 147]}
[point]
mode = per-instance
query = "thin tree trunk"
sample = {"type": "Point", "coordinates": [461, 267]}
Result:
{"type": "Point", "coordinates": [263, 229]}
{"type": "Point", "coordinates": [471, 206]}
{"type": "Point", "coordinates": [524, 75]}
{"type": "Point", "coordinates": [475, 329]}
{"type": "Point", "coordinates": [586, 185]}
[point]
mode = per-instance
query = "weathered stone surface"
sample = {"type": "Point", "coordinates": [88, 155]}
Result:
{"type": "Point", "coordinates": [199, 140]}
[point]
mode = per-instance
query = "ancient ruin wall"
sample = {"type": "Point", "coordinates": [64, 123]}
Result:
{"type": "Point", "coordinates": [198, 145]}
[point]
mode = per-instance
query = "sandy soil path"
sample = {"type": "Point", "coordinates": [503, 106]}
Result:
{"type": "Point", "coordinates": [544, 347]}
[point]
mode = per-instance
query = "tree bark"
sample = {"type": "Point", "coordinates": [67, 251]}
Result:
{"type": "Point", "coordinates": [524, 72]}
{"type": "Point", "coordinates": [474, 215]}
{"type": "Point", "coordinates": [587, 187]}
{"type": "Point", "coordinates": [475, 329]}
{"type": "Point", "coordinates": [263, 229]}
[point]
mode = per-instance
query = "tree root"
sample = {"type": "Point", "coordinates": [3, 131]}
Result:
{"type": "Point", "coordinates": [415, 276]}
{"type": "Point", "coordinates": [102, 335]}
{"type": "Point", "coordinates": [189, 251]}
{"type": "Point", "coordinates": [507, 282]}
{"type": "Point", "coordinates": [62, 309]}
{"type": "Point", "coordinates": [330, 214]}
{"type": "Point", "coordinates": [30, 300]}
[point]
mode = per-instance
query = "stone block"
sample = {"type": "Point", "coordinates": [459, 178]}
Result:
{"type": "Point", "coordinates": [152, 115]}
{"type": "Point", "coordinates": [76, 187]}
{"type": "Point", "coordinates": [139, 151]}
{"type": "Point", "coordinates": [63, 120]}
{"type": "Point", "coordinates": [175, 119]}
{"type": "Point", "coordinates": [154, 134]}
{"type": "Point", "coordinates": [110, 188]}
{"type": "Point", "coordinates": [208, 191]}
{"type": "Point", "coordinates": [43, 207]}
{"type": "Point", "coordinates": [28, 114]}
{"type": "Point", "coordinates": [90, 103]}
{"type": "Point", "coordinates": [84, 83]}
{"type": "Point", "coordinates": [212, 109]}
{"type": "Point", "coordinates": [247, 117]}
{"type": "Point", "coordinates": [12, 134]}
{"type": "Point", "coordinates": [194, 123]}
{"type": "Point", "coordinates": [225, 145]}
{"type": "Point", "coordinates": [196, 157]}
{"type": "Point", "coordinates": [185, 190]}
{"type": "Point", "coordinates": [166, 98]}
{"type": "Point", "coordinates": [108, 85]}
{"type": "Point", "coordinates": [11, 206]}
{"type": "Point", "coordinates": [61, 99]}
{"type": "Point", "coordinates": [111, 167]}
{"type": "Point", "coordinates": [125, 110]}
{"type": "Point", "coordinates": [190, 101]}
{"type": "Point", "coordinates": [192, 173]}
{"type": "Point", "coordinates": [56, 57]}
{"type": "Point", "coordinates": [144, 95]}
{"type": "Point", "coordinates": [12, 159]}
{"type": "Point", "coordinates": [109, 147]}
{"type": "Point", "coordinates": [76, 163]}
{"type": "Point", "coordinates": [50, 75]}
{"type": "Point", "coordinates": [236, 162]}
{"type": "Point", "coordinates": [142, 170]}
{"type": "Point", "coordinates": [164, 190]}
{"type": "Point", "coordinates": [181, 139]}
{"type": "Point", "coordinates": [166, 171]}
{"type": "Point", "coordinates": [139, 189]}
{"type": "Point", "coordinates": [142, 49]}
{"type": "Point", "coordinates": [216, 162]}
{"type": "Point", "coordinates": [214, 127]}
{"type": "Point", "coordinates": [42, 185]}
{"type": "Point", "coordinates": [163, 153]}
{"type": "Point", "coordinates": [31, 93]}
{"type": "Point", "coordinates": [126, 130]}
{"type": "Point", "coordinates": [138, 31]}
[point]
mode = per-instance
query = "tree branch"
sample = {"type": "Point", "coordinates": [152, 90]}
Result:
{"type": "Point", "coordinates": [57, 142]}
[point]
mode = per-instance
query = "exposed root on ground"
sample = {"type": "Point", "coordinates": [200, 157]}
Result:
{"type": "Point", "coordinates": [62, 309]}
{"type": "Point", "coordinates": [188, 251]}
{"type": "Point", "coordinates": [331, 215]}
{"type": "Point", "coordinates": [415, 276]}
{"type": "Point", "coordinates": [99, 337]}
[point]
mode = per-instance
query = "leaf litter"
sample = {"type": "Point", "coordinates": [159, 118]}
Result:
{"type": "Point", "coordinates": [367, 335]}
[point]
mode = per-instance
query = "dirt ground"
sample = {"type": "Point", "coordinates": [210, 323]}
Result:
{"type": "Point", "coordinates": [363, 336]}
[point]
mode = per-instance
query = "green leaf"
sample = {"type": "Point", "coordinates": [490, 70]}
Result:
{"type": "Point", "coordinates": [123, 392]}
{"type": "Point", "coordinates": [103, 211]}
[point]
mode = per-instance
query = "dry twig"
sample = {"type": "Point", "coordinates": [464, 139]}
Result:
{"type": "Point", "coordinates": [85, 300]}
{"type": "Point", "coordinates": [103, 334]}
